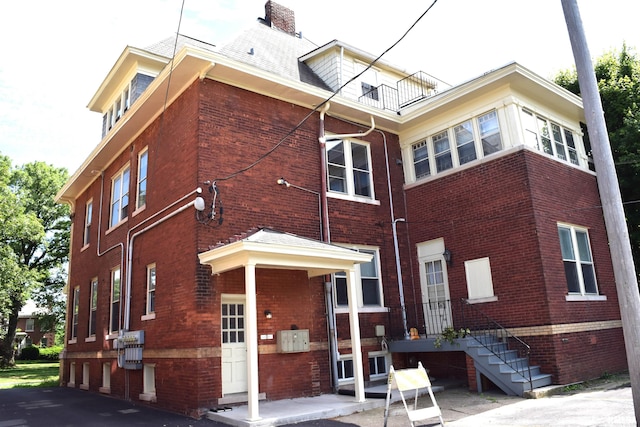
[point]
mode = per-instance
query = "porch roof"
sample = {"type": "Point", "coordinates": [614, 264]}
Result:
{"type": "Point", "coordinates": [267, 248]}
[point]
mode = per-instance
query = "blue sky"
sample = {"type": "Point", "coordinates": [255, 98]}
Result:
{"type": "Point", "coordinates": [56, 54]}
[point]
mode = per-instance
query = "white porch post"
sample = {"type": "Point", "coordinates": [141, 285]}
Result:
{"type": "Point", "coordinates": [354, 324]}
{"type": "Point", "coordinates": [251, 330]}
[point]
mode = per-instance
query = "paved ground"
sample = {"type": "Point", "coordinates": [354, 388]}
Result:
{"type": "Point", "coordinates": [602, 403]}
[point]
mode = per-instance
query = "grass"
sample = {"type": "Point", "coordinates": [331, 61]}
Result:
{"type": "Point", "coordinates": [30, 374]}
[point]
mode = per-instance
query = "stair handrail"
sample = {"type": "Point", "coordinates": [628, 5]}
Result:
{"type": "Point", "coordinates": [497, 330]}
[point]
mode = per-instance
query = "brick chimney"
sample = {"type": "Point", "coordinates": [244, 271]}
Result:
{"type": "Point", "coordinates": [280, 17]}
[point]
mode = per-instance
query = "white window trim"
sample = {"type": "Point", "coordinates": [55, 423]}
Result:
{"type": "Point", "coordinates": [148, 383]}
{"type": "Point", "coordinates": [140, 207]}
{"type": "Point", "coordinates": [75, 315]}
{"type": "Point", "coordinates": [93, 307]}
{"type": "Point", "coordinates": [86, 374]}
{"type": "Point", "coordinates": [384, 354]}
{"type": "Point", "coordinates": [111, 300]}
{"type": "Point", "coordinates": [361, 307]}
{"type": "Point", "coordinates": [120, 175]}
{"type": "Point", "coordinates": [472, 275]}
{"type": "Point", "coordinates": [342, 358]}
{"type": "Point", "coordinates": [453, 148]}
{"type": "Point", "coordinates": [86, 235]}
{"type": "Point", "coordinates": [106, 378]}
{"type": "Point", "coordinates": [33, 325]}
{"type": "Point", "coordinates": [578, 144]}
{"type": "Point", "coordinates": [148, 313]}
{"type": "Point", "coordinates": [348, 159]}
{"type": "Point", "coordinates": [72, 375]}
{"type": "Point", "coordinates": [582, 296]}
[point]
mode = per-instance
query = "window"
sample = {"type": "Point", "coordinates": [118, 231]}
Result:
{"type": "Point", "coordinates": [457, 146]}
{"type": "Point", "coordinates": [490, 133]}
{"type": "Point", "coordinates": [148, 383]}
{"type": "Point", "coordinates": [88, 213]}
{"type": "Point", "coordinates": [345, 368]}
{"type": "Point", "coordinates": [85, 376]}
{"type": "Point", "coordinates": [93, 307]}
{"type": "Point", "coordinates": [421, 159]}
{"type": "Point", "coordinates": [232, 323]}
{"type": "Point", "coordinates": [106, 378]}
{"type": "Point", "coordinates": [151, 288]}
{"type": "Point", "coordinates": [348, 167]}
{"type": "Point", "coordinates": [465, 142]}
{"type": "Point", "coordinates": [119, 197]}
{"type": "Point", "coordinates": [30, 325]}
{"type": "Point", "coordinates": [549, 137]}
{"type": "Point", "coordinates": [368, 276]}
{"type": "Point", "coordinates": [76, 306]}
{"type": "Point", "coordinates": [578, 263]}
{"type": "Point", "coordinates": [479, 280]}
{"type": "Point", "coordinates": [115, 301]}
{"type": "Point", "coordinates": [141, 195]}
{"type": "Point", "coordinates": [369, 91]}
{"type": "Point", "coordinates": [443, 151]}
{"type": "Point", "coordinates": [116, 110]}
{"type": "Point", "coordinates": [377, 365]}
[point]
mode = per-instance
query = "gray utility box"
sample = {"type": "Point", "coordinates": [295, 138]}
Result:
{"type": "Point", "coordinates": [294, 341]}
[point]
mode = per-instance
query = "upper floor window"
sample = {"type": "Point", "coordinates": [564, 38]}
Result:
{"type": "Point", "coordinates": [119, 197]}
{"type": "Point", "coordinates": [88, 213]}
{"type": "Point", "coordinates": [549, 137]}
{"type": "Point", "coordinates": [93, 307]}
{"type": "Point", "coordinates": [578, 263]}
{"type": "Point", "coordinates": [141, 188]}
{"type": "Point", "coordinates": [151, 289]}
{"type": "Point", "coordinates": [76, 307]}
{"type": "Point", "coordinates": [458, 145]}
{"type": "Point", "coordinates": [30, 325]}
{"type": "Point", "coordinates": [349, 168]}
{"type": "Point", "coordinates": [114, 317]}
{"type": "Point", "coordinates": [368, 279]}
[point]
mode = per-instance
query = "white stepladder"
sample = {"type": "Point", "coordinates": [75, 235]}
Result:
{"type": "Point", "coordinates": [412, 379]}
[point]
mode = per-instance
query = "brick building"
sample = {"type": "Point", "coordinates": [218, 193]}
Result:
{"type": "Point", "coordinates": [237, 238]}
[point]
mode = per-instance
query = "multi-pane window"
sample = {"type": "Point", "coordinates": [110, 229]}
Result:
{"type": "Point", "coordinates": [232, 323]}
{"type": "Point", "coordinates": [457, 146]}
{"type": "Point", "coordinates": [141, 194]}
{"type": "Point", "coordinates": [465, 142]}
{"type": "Point", "coordinates": [549, 137]}
{"type": "Point", "coordinates": [30, 325]}
{"type": "Point", "coordinates": [490, 133]}
{"type": "Point", "coordinates": [368, 277]}
{"type": "Point", "coordinates": [349, 168]}
{"type": "Point", "coordinates": [345, 368]}
{"type": "Point", "coordinates": [577, 259]}
{"type": "Point", "coordinates": [377, 365]}
{"type": "Point", "coordinates": [151, 288]}
{"type": "Point", "coordinates": [421, 159]}
{"type": "Point", "coordinates": [93, 307]}
{"type": "Point", "coordinates": [76, 307]}
{"type": "Point", "coordinates": [120, 197]}
{"type": "Point", "coordinates": [114, 317]}
{"type": "Point", "coordinates": [88, 213]}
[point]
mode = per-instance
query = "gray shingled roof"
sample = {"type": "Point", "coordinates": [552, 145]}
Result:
{"type": "Point", "coordinates": [167, 46]}
{"type": "Point", "coordinates": [274, 51]}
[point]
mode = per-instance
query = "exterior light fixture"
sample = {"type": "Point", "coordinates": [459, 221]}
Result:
{"type": "Point", "coordinates": [267, 314]}
{"type": "Point", "coordinates": [448, 257]}
{"type": "Point", "coordinates": [282, 181]}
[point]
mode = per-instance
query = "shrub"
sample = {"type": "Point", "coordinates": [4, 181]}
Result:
{"type": "Point", "coordinates": [30, 353]}
{"type": "Point", "coordinates": [51, 353]}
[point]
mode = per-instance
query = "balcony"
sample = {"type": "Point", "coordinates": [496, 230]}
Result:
{"type": "Point", "coordinates": [408, 91]}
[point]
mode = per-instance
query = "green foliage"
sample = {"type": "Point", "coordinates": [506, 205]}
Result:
{"type": "Point", "coordinates": [34, 243]}
{"type": "Point", "coordinates": [30, 353]}
{"type": "Point", "coordinates": [618, 77]}
{"type": "Point", "coordinates": [50, 353]}
{"type": "Point", "coordinates": [449, 334]}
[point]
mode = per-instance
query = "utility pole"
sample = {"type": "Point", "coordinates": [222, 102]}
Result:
{"type": "Point", "coordinates": [619, 244]}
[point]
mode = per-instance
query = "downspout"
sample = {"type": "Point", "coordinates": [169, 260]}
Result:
{"type": "Point", "coordinates": [394, 221]}
{"type": "Point", "coordinates": [328, 286]}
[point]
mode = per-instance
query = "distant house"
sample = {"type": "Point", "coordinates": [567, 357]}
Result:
{"type": "Point", "coordinates": [326, 235]}
{"type": "Point", "coordinates": [28, 328]}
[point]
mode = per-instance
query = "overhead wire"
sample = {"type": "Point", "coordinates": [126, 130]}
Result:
{"type": "Point", "coordinates": [320, 105]}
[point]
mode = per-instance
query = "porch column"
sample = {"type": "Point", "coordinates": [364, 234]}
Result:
{"type": "Point", "coordinates": [354, 324]}
{"type": "Point", "coordinates": [251, 330]}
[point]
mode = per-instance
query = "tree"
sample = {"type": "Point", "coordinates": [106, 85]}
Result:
{"type": "Point", "coordinates": [34, 241]}
{"type": "Point", "coordinates": [618, 76]}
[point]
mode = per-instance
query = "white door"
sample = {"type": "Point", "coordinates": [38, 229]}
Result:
{"type": "Point", "coordinates": [234, 347]}
{"type": "Point", "coordinates": [435, 297]}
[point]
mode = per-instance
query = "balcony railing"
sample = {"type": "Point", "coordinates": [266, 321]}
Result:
{"type": "Point", "coordinates": [430, 319]}
{"type": "Point", "coordinates": [409, 90]}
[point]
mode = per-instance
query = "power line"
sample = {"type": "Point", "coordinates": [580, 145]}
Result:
{"type": "Point", "coordinates": [295, 128]}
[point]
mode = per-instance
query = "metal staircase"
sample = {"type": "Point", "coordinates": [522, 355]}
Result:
{"type": "Point", "coordinates": [499, 355]}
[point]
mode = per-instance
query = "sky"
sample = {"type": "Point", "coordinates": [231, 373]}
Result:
{"type": "Point", "coordinates": [55, 54]}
